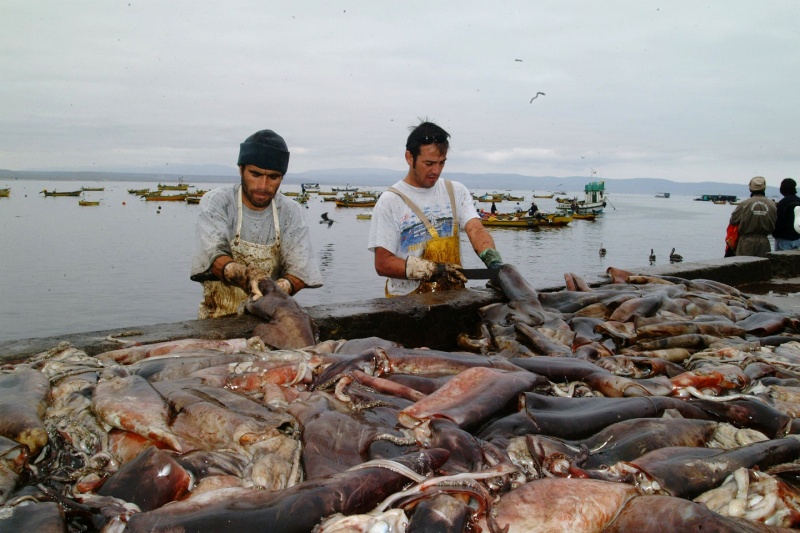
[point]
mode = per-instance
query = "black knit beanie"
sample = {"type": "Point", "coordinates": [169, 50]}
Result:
{"type": "Point", "coordinates": [265, 149]}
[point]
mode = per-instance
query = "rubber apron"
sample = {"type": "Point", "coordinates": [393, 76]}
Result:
{"type": "Point", "coordinates": [221, 299]}
{"type": "Point", "coordinates": [438, 249]}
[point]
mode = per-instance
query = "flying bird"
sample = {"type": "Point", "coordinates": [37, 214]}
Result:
{"type": "Point", "coordinates": [537, 96]}
{"type": "Point", "coordinates": [326, 220]}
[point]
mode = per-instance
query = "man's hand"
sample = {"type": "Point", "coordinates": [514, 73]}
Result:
{"type": "Point", "coordinates": [424, 270]}
{"type": "Point", "coordinates": [246, 278]}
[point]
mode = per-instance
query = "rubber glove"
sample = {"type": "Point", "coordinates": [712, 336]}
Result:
{"type": "Point", "coordinates": [425, 270]}
{"type": "Point", "coordinates": [285, 285]}
{"type": "Point", "coordinates": [246, 278]}
{"type": "Point", "coordinates": [491, 258]}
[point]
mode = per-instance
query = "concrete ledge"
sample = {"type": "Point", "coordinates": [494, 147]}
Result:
{"type": "Point", "coordinates": [433, 320]}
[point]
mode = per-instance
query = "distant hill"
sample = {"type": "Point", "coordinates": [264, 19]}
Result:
{"type": "Point", "coordinates": [378, 177]}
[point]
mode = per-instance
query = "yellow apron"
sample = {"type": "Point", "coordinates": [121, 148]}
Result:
{"type": "Point", "coordinates": [220, 298]}
{"type": "Point", "coordinates": [438, 249]}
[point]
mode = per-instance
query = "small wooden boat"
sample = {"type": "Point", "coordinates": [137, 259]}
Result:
{"type": "Point", "coordinates": [364, 216]}
{"type": "Point", "coordinates": [180, 186]}
{"type": "Point", "coordinates": [87, 202]}
{"type": "Point", "coordinates": [151, 193]}
{"type": "Point", "coordinates": [140, 192]}
{"type": "Point", "coordinates": [518, 198]}
{"type": "Point", "coordinates": [355, 202]}
{"type": "Point", "coordinates": [511, 221]}
{"type": "Point", "coordinates": [291, 193]}
{"type": "Point", "coordinates": [302, 199]}
{"type": "Point", "coordinates": [720, 202]}
{"type": "Point", "coordinates": [327, 193]}
{"type": "Point", "coordinates": [584, 216]}
{"type": "Point", "coordinates": [56, 193]}
{"type": "Point", "coordinates": [93, 188]}
{"type": "Point", "coordinates": [662, 195]}
{"type": "Point", "coordinates": [198, 193]}
{"type": "Point", "coordinates": [543, 195]}
{"type": "Point", "coordinates": [310, 187]}
{"type": "Point", "coordinates": [166, 198]}
{"type": "Point", "coordinates": [192, 199]}
{"type": "Point", "coordinates": [5, 193]}
{"type": "Point", "coordinates": [348, 188]}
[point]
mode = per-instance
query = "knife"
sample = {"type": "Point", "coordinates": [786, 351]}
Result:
{"type": "Point", "coordinates": [481, 273]}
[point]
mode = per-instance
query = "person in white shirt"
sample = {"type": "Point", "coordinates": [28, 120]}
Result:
{"type": "Point", "coordinates": [415, 226]}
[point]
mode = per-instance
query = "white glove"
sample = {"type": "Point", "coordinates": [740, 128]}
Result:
{"type": "Point", "coordinates": [425, 270]}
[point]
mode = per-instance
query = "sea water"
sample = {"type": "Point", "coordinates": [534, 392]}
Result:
{"type": "Point", "coordinates": [67, 268]}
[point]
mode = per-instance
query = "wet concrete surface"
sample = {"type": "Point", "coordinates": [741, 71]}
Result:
{"type": "Point", "coordinates": [432, 320]}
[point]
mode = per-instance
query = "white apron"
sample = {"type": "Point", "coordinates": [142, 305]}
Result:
{"type": "Point", "coordinates": [220, 298]}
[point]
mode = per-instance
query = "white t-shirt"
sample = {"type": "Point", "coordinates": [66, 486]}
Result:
{"type": "Point", "coordinates": [396, 228]}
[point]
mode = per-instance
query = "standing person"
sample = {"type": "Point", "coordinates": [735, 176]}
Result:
{"type": "Point", "coordinates": [494, 208]}
{"type": "Point", "coordinates": [755, 217]}
{"type": "Point", "coordinates": [415, 225]}
{"type": "Point", "coordinates": [247, 232]}
{"type": "Point", "coordinates": [786, 237]}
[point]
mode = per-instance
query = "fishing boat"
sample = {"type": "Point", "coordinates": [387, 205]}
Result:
{"type": "Point", "coordinates": [327, 193]}
{"type": "Point", "coordinates": [5, 193]}
{"type": "Point", "coordinates": [662, 195]}
{"type": "Point", "coordinates": [355, 202]}
{"type": "Point", "coordinates": [180, 186]}
{"type": "Point", "coordinates": [151, 193]}
{"type": "Point", "coordinates": [310, 187]}
{"type": "Point", "coordinates": [364, 216]}
{"type": "Point", "coordinates": [543, 195]}
{"type": "Point", "coordinates": [347, 188]}
{"type": "Point", "coordinates": [192, 199]}
{"type": "Point", "coordinates": [197, 193]}
{"type": "Point", "coordinates": [139, 192]}
{"type": "Point", "coordinates": [512, 221]}
{"type": "Point", "coordinates": [87, 202]}
{"type": "Point", "coordinates": [93, 188]}
{"type": "Point", "coordinates": [166, 198]}
{"type": "Point", "coordinates": [56, 193]}
{"type": "Point", "coordinates": [584, 216]}
{"type": "Point", "coordinates": [302, 199]}
{"type": "Point", "coordinates": [291, 193]}
{"type": "Point", "coordinates": [719, 202]}
{"type": "Point", "coordinates": [593, 203]}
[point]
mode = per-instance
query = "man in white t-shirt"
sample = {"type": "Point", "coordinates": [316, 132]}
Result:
{"type": "Point", "coordinates": [414, 233]}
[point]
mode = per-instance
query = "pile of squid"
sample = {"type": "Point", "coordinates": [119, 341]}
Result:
{"type": "Point", "coordinates": [644, 404]}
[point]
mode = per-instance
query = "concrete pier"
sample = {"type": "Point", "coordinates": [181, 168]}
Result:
{"type": "Point", "coordinates": [432, 320]}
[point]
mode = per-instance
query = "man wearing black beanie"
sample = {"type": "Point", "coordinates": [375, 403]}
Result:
{"type": "Point", "coordinates": [247, 232]}
{"type": "Point", "coordinates": [786, 235]}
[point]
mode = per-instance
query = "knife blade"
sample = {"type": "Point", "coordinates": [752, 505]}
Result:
{"type": "Point", "coordinates": [480, 273]}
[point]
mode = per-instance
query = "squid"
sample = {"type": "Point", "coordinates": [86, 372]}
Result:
{"type": "Point", "coordinates": [294, 510]}
{"type": "Point", "coordinates": [287, 324]}
{"type": "Point", "coordinates": [22, 407]}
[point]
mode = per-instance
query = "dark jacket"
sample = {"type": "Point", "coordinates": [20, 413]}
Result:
{"type": "Point", "coordinates": [784, 225]}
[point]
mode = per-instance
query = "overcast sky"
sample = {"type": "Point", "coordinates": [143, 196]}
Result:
{"type": "Point", "coordinates": [683, 90]}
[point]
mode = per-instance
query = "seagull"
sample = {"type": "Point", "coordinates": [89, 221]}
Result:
{"type": "Point", "coordinates": [602, 250]}
{"type": "Point", "coordinates": [652, 256]}
{"type": "Point", "coordinates": [537, 96]}
{"type": "Point", "coordinates": [326, 220]}
{"type": "Point", "coordinates": [675, 258]}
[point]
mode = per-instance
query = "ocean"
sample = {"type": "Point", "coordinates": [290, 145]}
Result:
{"type": "Point", "coordinates": [125, 263]}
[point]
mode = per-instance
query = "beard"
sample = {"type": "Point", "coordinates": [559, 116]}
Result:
{"type": "Point", "coordinates": [249, 194]}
